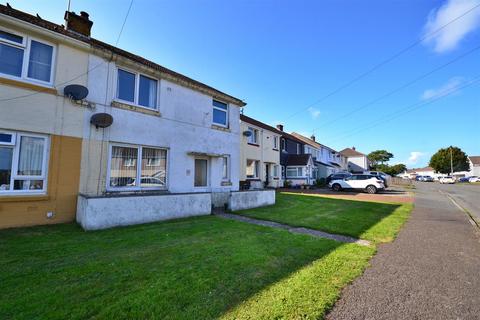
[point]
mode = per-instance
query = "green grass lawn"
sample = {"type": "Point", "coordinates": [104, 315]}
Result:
{"type": "Point", "coordinates": [198, 268]}
{"type": "Point", "coordinates": [377, 222]}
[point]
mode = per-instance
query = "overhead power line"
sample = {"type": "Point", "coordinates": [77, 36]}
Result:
{"type": "Point", "coordinates": [80, 75]}
{"type": "Point", "coordinates": [382, 63]}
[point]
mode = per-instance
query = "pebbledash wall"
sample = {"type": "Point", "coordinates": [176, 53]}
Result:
{"type": "Point", "coordinates": [32, 108]}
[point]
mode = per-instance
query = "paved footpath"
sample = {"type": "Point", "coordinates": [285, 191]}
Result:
{"type": "Point", "coordinates": [431, 271]}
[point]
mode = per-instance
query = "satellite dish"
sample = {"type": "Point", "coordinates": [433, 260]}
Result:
{"type": "Point", "coordinates": [101, 120]}
{"type": "Point", "coordinates": [75, 92]}
{"type": "Point", "coordinates": [247, 133]}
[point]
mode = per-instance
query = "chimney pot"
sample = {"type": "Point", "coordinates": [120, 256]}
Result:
{"type": "Point", "coordinates": [353, 148]}
{"type": "Point", "coordinates": [312, 137]}
{"type": "Point", "coordinates": [280, 127]}
{"type": "Point", "coordinates": [78, 23]}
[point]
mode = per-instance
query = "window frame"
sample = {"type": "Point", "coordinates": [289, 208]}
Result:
{"type": "Point", "coordinates": [226, 164]}
{"type": "Point", "coordinates": [207, 173]}
{"type": "Point", "coordinates": [136, 89]}
{"type": "Point", "coordinates": [296, 168]}
{"type": "Point", "coordinates": [256, 169]}
{"type": "Point", "coordinates": [227, 113]}
{"type": "Point", "coordinates": [254, 136]}
{"type": "Point", "coordinates": [138, 176]}
{"type": "Point", "coordinates": [275, 142]}
{"type": "Point", "coordinates": [17, 139]}
{"type": "Point", "coordinates": [26, 47]}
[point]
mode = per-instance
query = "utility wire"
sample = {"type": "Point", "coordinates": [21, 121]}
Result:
{"type": "Point", "coordinates": [408, 109]}
{"type": "Point", "coordinates": [80, 75]}
{"type": "Point", "coordinates": [382, 63]}
{"type": "Point", "coordinates": [406, 85]}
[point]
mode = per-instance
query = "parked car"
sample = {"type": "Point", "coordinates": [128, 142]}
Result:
{"type": "Point", "coordinates": [382, 175]}
{"type": "Point", "coordinates": [419, 178]}
{"type": "Point", "coordinates": [427, 179]}
{"type": "Point", "coordinates": [367, 182]}
{"type": "Point", "coordinates": [338, 176]}
{"type": "Point", "coordinates": [474, 179]}
{"type": "Point", "coordinates": [464, 179]}
{"type": "Point", "coordinates": [447, 179]}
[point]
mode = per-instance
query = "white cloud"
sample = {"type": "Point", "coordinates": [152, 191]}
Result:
{"type": "Point", "coordinates": [415, 156]}
{"type": "Point", "coordinates": [449, 37]}
{"type": "Point", "coordinates": [314, 113]}
{"type": "Point", "coordinates": [447, 88]}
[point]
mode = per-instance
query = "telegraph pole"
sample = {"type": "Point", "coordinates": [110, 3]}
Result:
{"type": "Point", "coordinates": [451, 161]}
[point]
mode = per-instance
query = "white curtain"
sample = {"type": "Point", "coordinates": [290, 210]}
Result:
{"type": "Point", "coordinates": [40, 63]}
{"type": "Point", "coordinates": [30, 162]}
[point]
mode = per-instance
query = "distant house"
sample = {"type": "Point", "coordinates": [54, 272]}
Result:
{"type": "Point", "coordinates": [425, 171]}
{"type": "Point", "coordinates": [474, 165]}
{"type": "Point", "coordinates": [297, 167]}
{"type": "Point", "coordinates": [326, 160]}
{"type": "Point", "coordinates": [259, 154]}
{"type": "Point", "coordinates": [357, 161]}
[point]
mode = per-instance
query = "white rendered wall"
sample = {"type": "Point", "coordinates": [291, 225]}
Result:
{"type": "Point", "coordinates": [243, 200]}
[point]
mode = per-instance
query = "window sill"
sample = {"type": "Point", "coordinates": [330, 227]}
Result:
{"type": "Point", "coordinates": [254, 179]}
{"type": "Point", "coordinates": [28, 85]}
{"type": "Point", "coordinates": [23, 197]}
{"type": "Point", "coordinates": [217, 127]}
{"type": "Point", "coordinates": [275, 149]}
{"type": "Point", "coordinates": [226, 183]}
{"type": "Point", "coordinates": [253, 144]}
{"type": "Point", "coordinates": [135, 108]}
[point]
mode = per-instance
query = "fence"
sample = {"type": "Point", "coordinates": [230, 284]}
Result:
{"type": "Point", "coordinates": [401, 182]}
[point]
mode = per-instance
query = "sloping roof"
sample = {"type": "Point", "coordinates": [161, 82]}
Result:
{"type": "Point", "coordinates": [349, 152]}
{"type": "Point", "coordinates": [310, 141]}
{"type": "Point", "coordinates": [475, 160]}
{"type": "Point", "coordinates": [420, 169]}
{"type": "Point", "coordinates": [257, 123]}
{"type": "Point", "coordinates": [298, 159]}
{"type": "Point", "coordinates": [17, 14]}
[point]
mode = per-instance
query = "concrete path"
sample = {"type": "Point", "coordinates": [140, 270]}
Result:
{"type": "Point", "coordinates": [431, 271]}
{"type": "Point", "coordinates": [311, 232]}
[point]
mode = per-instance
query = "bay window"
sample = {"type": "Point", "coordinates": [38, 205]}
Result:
{"type": "Point", "coordinates": [294, 172]}
{"type": "Point", "coordinates": [220, 113]}
{"type": "Point", "coordinates": [137, 167]}
{"type": "Point", "coordinates": [137, 89]}
{"type": "Point", "coordinates": [23, 163]}
{"type": "Point", "coordinates": [26, 58]}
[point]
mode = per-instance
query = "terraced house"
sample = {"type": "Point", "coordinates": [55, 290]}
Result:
{"type": "Point", "coordinates": [134, 141]}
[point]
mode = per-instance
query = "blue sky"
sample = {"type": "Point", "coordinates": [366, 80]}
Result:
{"type": "Point", "coordinates": [283, 56]}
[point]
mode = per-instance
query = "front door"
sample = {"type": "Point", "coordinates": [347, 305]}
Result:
{"type": "Point", "coordinates": [267, 178]}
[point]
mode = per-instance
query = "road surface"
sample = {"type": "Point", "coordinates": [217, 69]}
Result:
{"type": "Point", "coordinates": [431, 271]}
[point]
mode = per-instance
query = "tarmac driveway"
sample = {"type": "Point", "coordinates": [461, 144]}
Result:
{"type": "Point", "coordinates": [431, 271]}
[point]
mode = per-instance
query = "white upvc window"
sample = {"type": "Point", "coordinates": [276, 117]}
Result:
{"type": "Point", "coordinates": [23, 163]}
{"type": "Point", "coordinates": [134, 167]}
{"type": "Point", "coordinates": [136, 88]}
{"type": "Point", "coordinates": [275, 171]}
{"type": "Point", "coordinates": [220, 113]}
{"type": "Point", "coordinates": [294, 172]}
{"type": "Point", "coordinates": [275, 142]}
{"type": "Point", "coordinates": [225, 168]}
{"type": "Point", "coordinates": [253, 137]}
{"type": "Point", "coordinates": [252, 169]}
{"type": "Point", "coordinates": [26, 58]}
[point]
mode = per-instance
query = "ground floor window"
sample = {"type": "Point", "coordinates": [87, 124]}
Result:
{"type": "Point", "coordinates": [23, 162]}
{"type": "Point", "coordinates": [252, 169]}
{"type": "Point", "coordinates": [137, 167]}
{"type": "Point", "coordinates": [275, 171]}
{"type": "Point", "coordinates": [294, 172]}
{"type": "Point", "coordinates": [201, 173]}
{"type": "Point", "coordinates": [225, 168]}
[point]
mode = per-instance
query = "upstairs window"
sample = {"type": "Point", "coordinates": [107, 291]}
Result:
{"type": "Point", "coordinates": [253, 137]}
{"type": "Point", "coordinates": [220, 113]}
{"type": "Point", "coordinates": [275, 142]}
{"type": "Point", "coordinates": [25, 58]}
{"type": "Point", "coordinates": [23, 163]}
{"type": "Point", "coordinates": [137, 89]}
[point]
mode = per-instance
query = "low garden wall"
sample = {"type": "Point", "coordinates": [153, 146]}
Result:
{"type": "Point", "coordinates": [111, 211]}
{"type": "Point", "coordinates": [241, 200]}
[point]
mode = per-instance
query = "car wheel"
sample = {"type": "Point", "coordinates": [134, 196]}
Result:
{"type": "Point", "coordinates": [336, 187]}
{"type": "Point", "coordinates": [371, 189]}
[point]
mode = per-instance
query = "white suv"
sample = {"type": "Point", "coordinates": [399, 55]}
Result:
{"type": "Point", "coordinates": [448, 179]}
{"type": "Point", "coordinates": [366, 182]}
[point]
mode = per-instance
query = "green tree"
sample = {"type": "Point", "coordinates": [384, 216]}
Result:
{"type": "Point", "coordinates": [444, 159]}
{"type": "Point", "coordinates": [379, 157]}
{"type": "Point", "coordinates": [392, 170]}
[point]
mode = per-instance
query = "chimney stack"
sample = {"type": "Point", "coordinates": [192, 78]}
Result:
{"type": "Point", "coordinates": [280, 127]}
{"type": "Point", "coordinates": [78, 23]}
{"type": "Point", "coordinates": [353, 148]}
{"type": "Point", "coordinates": [312, 137]}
